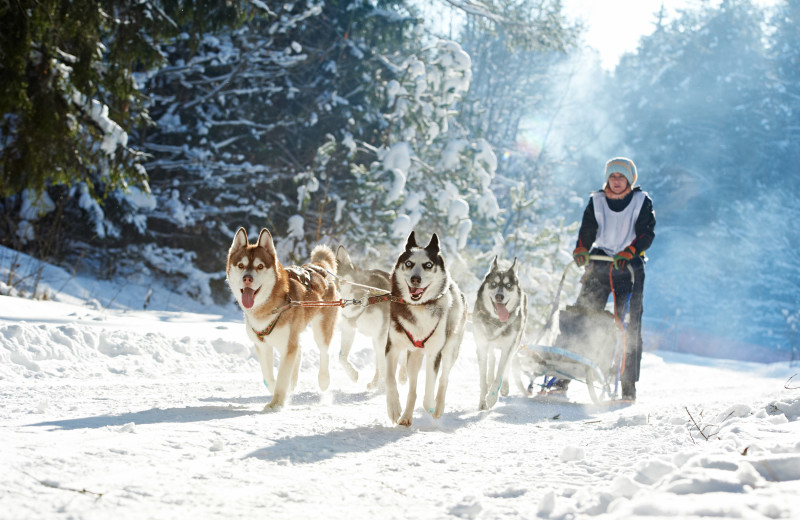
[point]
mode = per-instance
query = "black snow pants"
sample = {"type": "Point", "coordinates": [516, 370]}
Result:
{"type": "Point", "coordinates": [597, 286]}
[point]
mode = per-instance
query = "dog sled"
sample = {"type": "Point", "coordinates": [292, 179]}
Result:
{"type": "Point", "coordinates": [589, 348]}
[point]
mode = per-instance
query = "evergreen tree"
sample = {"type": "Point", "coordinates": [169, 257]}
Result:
{"type": "Point", "coordinates": [696, 104]}
{"type": "Point", "coordinates": [69, 100]}
{"type": "Point", "coordinates": [423, 171]}
{"type": "Point", "coordinates": [516, 69]}
{"type": "Point", "coordinates": [782, 149]}
{"type": "Point", "coordinates": [246, 122]}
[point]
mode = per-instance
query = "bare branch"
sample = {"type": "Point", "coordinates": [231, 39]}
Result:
{"type": "Point", "coordinates": [695, 424]}
{"type": "Point", "coordinates": [56, 486]}
{"type": "Point", "coordinates": [476, 9]}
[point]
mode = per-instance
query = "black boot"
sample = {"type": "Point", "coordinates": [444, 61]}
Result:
{"type": "Point", "coordinates": [629, 391]}
{"type": "Point", "coordinates": [559, 388]}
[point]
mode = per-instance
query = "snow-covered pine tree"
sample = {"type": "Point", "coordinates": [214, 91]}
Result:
{"type": "Point", "coordinates": [244, 120]}
{"type": "Point", "coordinates": [517, 80]}
{"type": "Point", "coordinates": [71, 176]}
{"type": "Point", "coordinates": [694, 102]}
{"type": "Point", "coordinates": [783, 151]}
{"type": "Point", "coordinates": [423, 171]}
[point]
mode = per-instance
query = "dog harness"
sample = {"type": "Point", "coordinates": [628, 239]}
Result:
{"type": "Point", "coordinates": [420, 343]}
{"type": "Point", "coordinates": [264, 333]}
{"type": "Point", "coordinates": [299, 274]}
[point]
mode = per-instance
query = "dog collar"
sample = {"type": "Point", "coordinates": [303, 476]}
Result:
{"type": "Point", "coordinates": [388, 297]}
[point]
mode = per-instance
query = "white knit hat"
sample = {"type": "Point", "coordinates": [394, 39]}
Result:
{"type": "Point", "coordinates": [624, 166]}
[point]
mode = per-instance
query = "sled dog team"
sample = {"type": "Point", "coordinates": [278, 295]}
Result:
{"type": "Point", "coordinates": [421, 314]}
{"type": "Point", "coordinates": [420, 319]}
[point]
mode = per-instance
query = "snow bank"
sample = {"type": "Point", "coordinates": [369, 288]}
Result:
{"type": "Point", "coordinates": [73, 350]}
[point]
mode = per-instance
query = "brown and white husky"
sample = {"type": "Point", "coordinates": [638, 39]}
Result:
{"type": "Point", "coordinates": [428, 315]}
{"type": "Point", "coordinates": [263, 288]}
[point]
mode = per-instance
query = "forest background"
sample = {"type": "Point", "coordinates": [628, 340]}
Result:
{"type": "Point", "coordinates": [137, 136]}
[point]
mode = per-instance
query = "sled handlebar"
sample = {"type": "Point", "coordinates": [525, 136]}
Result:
{"type": "Point", "coordinates": [557, 297]}
{"type": "Point", "coordinates": [603, 258]}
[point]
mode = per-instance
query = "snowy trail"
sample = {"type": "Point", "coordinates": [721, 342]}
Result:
{"type": "Point", "coordinates": [161, 414]}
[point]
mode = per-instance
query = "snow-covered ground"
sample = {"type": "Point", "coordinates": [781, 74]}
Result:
{"type": "Point", "coordinates": [154, 414]}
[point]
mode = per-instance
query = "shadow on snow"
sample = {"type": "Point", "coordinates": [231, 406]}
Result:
{"type": "Point", "coordinates": [187, 414]}
{"type": "Point", "coordinates": [520, 410]}
{"type": "Point", "coordinates": [309, 449]}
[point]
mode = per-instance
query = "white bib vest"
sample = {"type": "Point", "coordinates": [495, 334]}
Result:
{"type": "Point", "coordinates": [616, 229]}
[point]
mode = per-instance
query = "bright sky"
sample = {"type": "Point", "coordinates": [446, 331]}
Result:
{"type": "Point", "coordinates": [614, 27]}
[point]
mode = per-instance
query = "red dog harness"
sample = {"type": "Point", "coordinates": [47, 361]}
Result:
{"type": "Point", "coordinates": [419, 343]}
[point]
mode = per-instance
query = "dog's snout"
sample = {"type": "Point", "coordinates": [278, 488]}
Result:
{"type": "Point", "coordinates": [499, 297]}
{"type": "Point", "coordinates": [247, 279]}
{"type": "Point", "coordinates": [416, 280]}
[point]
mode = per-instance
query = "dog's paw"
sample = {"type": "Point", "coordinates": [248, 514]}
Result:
{"type": "Point", "coordinates": [405, 420]}
{"type": "Point", "coordinates": [273, 407]}
{"type": "Point", "coordinates": [349, 369]}
{"type": "Point", "coordinates": [491, 399]}
{"type": "Point", "coordinates": [393, 408]}
{"type": "Point", "coordinates": [429, 405]}
{"type": "Point", "coordinates": [376, 386]}
{"type": "Point", "coordinates": [482, 405]}
{"type": "Point", "coordinates": [324, 381]}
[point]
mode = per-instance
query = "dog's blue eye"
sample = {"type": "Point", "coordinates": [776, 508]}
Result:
{"type": "Point", "coordinates": [508, 286]}
{"type": "Point", "coordinates": [493, 285]}
{"type": "Point", "coordinates": [409, 263]}
{"type": "Point", "coordinates": [427, 265]}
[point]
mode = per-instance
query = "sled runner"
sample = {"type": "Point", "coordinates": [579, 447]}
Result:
{"type": "Point", "coordinates": [589, 348]}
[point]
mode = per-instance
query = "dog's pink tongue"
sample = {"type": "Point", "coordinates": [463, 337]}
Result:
{"type": "Point", "coordinates": [248, 297]}
{"type": "Point", "coordinates": [502, 312]}
{"type": "Point", "coordinates": [416, 290]}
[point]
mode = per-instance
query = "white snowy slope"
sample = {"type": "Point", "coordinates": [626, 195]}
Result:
{"type": "Point", "coordinates": [122, 414]}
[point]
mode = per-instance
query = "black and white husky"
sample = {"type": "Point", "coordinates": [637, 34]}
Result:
{"type": "Point", "coordinates": [372, 320]}
{"type": "Point", "coordinates": [498, 320]}
{"type": "Point", "coordinates": [427, 318]}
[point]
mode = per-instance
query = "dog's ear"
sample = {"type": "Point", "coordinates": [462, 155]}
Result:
{"type": "Point", "coordinates": [433, 245]}
{"type": "Point", "coordinates": [265, 241]}
{"type": "Point", "coordinates": [411, 242]}
{"type": "Point", "coordinates": [239, 240]}
{"type": "Point", "coordinates": [494, 264]}
{"type": "Point", "coordinates": [513, 267]}
{"type": "Point", "coordinates": [342, 258]}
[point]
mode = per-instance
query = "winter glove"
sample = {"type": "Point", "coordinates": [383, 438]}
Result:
{"type": "Point", "coordinates": [581, 256]}
{"type": "Point", "coordinates": [622, 258]}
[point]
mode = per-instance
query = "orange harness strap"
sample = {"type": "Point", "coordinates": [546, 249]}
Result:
{"type": "Point", "coordinates": [618, 319]}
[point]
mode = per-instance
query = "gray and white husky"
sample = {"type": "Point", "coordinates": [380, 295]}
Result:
{"type": "Point", "coordinates": [498, 320]}
{"type": "Point", "coordinates": [371, 321]}
{"type": "Point", "coordinates": [428, 313]}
